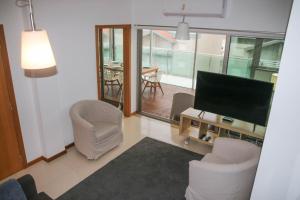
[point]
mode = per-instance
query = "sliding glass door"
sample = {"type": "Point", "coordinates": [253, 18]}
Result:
{"type": "Point", "coordinates": [174, 58]}
{"type": "Point", "coordinates": [166, 68]}
{"type": "Point", "coordinates": [169, 66]}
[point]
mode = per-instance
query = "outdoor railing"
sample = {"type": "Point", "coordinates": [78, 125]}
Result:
{"type": "Point", "coordinates": [180, 63]}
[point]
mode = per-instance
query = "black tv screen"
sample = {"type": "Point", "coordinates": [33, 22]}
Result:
{"type": "Point", "coordinates": [240, 98]}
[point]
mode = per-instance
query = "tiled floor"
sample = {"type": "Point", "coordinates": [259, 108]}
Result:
{"type": "Point", "coordinates": [63, 173]}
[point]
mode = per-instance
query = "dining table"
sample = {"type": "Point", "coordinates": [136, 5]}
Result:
{"type": "Point", "coordinates": [115, 68]}
{"type": "Point", "coordinates": [145, 70]}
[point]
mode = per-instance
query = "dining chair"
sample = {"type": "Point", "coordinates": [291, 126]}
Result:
{"type": "Point", "coordinates": [111, 79]}
{"type": "Point", "coordinates": [152, 81]}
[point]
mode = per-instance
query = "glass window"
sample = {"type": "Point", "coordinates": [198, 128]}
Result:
{"type": "Point", "coordinates": [112, 44]}
{"type": "Point", "coordinates": [269, 61]}
{"type": "Point", "coordinates": [106, 43]}
{"type": "Point", "coordinates": [210, 53]}
{"type": "Point", "coordinates": [146, 59]}
{"type": "Point", "coordinates": [118, 45]}
{"type": "Point", "coordinates": [257, 58]}
{"type": "Point", "coordinates": [241, 56]}
{"type": "Point", "coordinates": [174, 57]}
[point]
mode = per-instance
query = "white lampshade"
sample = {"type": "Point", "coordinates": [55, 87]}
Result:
{"type": "Point", "coordinates": [183, 32]}
{"type": "Point", "coordinates": [36, 50]}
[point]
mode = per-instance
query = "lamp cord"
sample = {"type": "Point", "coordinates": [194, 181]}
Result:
{"type": "Point", "coordinates": [24, 3]}
{"type": "Point", "coordinates": [183, 8]}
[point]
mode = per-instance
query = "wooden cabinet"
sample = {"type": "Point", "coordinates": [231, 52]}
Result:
{"type": "Point", "coordinates": [218, 126]}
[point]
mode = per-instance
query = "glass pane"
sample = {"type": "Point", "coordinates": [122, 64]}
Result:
{"type": "Point", "coordinates": [167, 68]}
{"type": "Point", "coordinates": [107, 51]}
{"type": "Point", "coordinates": [241, 56]}
{"type": "Point", "coordinates": [112, 68]}
{"type": "Point", "coordinates": [118, 42]}
{"type": "Point", "coordinates": [210, 53]}
{"type": "Point", "coordinates": [174, 58]}
{"type": "Point", "coordinates": [270, 57]}
{"type": "Point", "coordinates": [146, 48]}
{"type": "Point", "coordinates": [271, 53]}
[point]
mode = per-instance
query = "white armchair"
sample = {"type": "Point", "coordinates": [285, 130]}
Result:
{"type": "Point", "coordinates": [227, 173]}
{"type": "Point", "coordinates": [97, 127]}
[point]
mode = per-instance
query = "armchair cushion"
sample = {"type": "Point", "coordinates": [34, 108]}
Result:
{"type": "Point", "coordinates": [105, 129]}
{"type": "Point", "coordinates": [28, 185]}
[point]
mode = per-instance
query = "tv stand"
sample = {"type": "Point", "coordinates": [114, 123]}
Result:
{"type": "Point", "coordinates": [213, 125]}
{"type": "Point", "coordinates": [228, 119]}
{"type": "Point", "coordinates": [202, 112]}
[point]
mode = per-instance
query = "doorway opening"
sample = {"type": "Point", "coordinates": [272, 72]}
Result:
{"type": "Point", "coordinates": [113, 65]}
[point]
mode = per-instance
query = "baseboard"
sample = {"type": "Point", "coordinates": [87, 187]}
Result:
{"type": "Point", "coordinates": [45, 159]}
{"type": "Point", "coordinates": [34, 161]}
{"type": "Point", "coordinates": [49, 159]}
{"type": "Point", "coordinates": [69, 145]}
{"type": "Point", "coordinates": [55, 156]}
{"type": "Point", "coordinates": [133, 113]}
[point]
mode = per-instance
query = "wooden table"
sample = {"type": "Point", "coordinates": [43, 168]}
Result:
{"type": "Point", "coordinates": [207, 118]}
{"type": "Point", "coordinates": [114, 68]}
{"type": "Point", "coordinates": [147, 70]}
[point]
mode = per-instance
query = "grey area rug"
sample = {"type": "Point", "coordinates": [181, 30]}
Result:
{"type": "Point", "coordinates": [149, 170]}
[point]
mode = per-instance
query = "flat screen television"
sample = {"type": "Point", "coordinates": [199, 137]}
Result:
{"type": "Point", "coordinates": [235, 97]}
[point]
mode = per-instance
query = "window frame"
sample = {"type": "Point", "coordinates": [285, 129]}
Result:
{"type": "Point", "coordinates": [228, 33]}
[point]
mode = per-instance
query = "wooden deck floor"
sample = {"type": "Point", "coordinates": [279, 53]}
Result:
{"type": "Point", "coordinates": [156, 104]}
{"type": "Point", "coordinates": [159, 104]}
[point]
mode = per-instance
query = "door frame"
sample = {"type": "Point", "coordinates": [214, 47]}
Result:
{"type": "Point", "coordinates": [9, 83]}
{"type": "Point", "coordinates": [126, 61]}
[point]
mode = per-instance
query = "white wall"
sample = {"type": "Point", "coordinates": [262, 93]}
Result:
{"type": "Point", "coordinates": [44, 103]}
{"type": "Point", "coordinates": [278, 174]}
{"type": "Point", "coordinates": [11, 18]}
{"type": "Point", "coordinates": [71, 28]}
{"type": "Point", "coordinates": [254, 15]}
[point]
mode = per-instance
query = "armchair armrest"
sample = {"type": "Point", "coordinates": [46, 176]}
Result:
{"type": "Point", "coordinates": [29, 188]}
{"type": "Point", "coordinates": [28, 185]}
{"type": "Point", "coordinates": [83, 129]}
